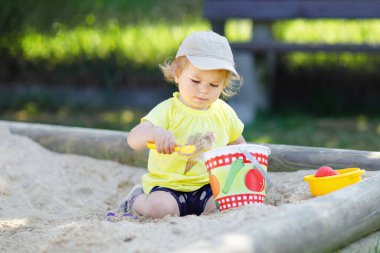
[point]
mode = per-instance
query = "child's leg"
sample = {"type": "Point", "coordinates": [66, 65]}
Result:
{"type": "Point", "coordinates": [157, 204]}
{"type": "Point", "coordinates": [210, 205]}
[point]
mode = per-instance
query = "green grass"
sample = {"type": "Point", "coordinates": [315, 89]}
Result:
{"type": "Point", "coordinates": [356, 132]}
{"type": "Point", "coordinates": [114, 119]}
{"type": "Point", "coordinates": [376, 248]}
{"type": "Point", "coordinates": [359, 132]}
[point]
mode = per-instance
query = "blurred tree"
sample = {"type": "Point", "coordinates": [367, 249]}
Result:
{"type": "Point", "coordinates": [17, 15]}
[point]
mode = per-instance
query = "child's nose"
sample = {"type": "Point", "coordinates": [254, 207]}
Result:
{"type": "Point", "coordinates": [203, 88]}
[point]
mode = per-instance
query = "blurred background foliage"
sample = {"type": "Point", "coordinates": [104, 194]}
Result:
{"type": "Point", "coordinates": [48, 48]}
{"type": "Point", "coordinates": [43, 15]}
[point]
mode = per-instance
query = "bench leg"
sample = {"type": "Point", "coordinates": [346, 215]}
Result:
{"type": "Point", "coordinates": [218, 26]}
{"type": "Point", "coordinates": [253, 95]}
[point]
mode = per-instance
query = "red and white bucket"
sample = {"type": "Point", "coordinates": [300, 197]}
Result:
{"type": "Point", "coordinates": [235, 179]}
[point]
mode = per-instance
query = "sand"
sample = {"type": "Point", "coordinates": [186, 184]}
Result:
{"type": "Point", "coordinates": [51, 202]}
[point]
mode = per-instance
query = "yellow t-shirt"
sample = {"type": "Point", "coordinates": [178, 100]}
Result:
{"type": "Point", "coordinates": [185, 123]}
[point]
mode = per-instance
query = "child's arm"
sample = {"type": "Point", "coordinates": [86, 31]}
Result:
{"type": "Point", "coordinates": [145, 132]}
{"type": "Point", "coordinates": [238, 141]}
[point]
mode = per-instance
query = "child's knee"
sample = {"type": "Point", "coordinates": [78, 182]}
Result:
{"type": "Point", "coordinates": [157, 208]}
{"type": "Point", "coordinates": [210, 205]}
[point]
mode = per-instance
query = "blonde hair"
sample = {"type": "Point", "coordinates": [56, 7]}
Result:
{"type": "Point", "coordinates": [231, 83]}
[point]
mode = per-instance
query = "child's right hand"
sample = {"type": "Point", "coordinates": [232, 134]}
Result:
{"type": "Point", "coordinates": [164, 140]}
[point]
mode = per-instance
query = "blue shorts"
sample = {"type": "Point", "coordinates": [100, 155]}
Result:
{"type": "Point", "coordinates": [189, 202]}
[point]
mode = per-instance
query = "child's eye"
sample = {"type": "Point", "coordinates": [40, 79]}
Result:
{"type": "Point", "coordinates": [195, 81]}
{"type": "Point", "coordinates": [214, 85]}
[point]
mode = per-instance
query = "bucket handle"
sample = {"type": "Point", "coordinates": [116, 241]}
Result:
{"type": "Point", "coordinates": [256, 164]}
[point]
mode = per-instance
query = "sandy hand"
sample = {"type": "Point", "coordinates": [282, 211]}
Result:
{"type": "Point", "coordinates": [202, 143]}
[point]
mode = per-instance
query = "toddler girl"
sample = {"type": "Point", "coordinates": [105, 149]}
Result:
{"type": "Point", "coordinates": [176, 184]}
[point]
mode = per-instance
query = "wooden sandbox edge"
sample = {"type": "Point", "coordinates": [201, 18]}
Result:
{"type": "Point", "coordinates": [112, 145]}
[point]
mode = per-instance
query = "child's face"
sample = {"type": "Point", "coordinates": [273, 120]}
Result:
{"type": "Point", "coordinates": [199, 88]}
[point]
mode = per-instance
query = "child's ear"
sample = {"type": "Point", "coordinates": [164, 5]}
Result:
{"type": "Point", "coordinates": [176, 77]}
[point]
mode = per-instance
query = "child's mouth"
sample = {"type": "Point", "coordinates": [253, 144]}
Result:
{"type": "Point", "coordinates": [202, 99]}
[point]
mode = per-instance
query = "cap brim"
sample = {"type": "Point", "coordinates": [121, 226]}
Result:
{"type": "Point", "coordinates": [207, 63]}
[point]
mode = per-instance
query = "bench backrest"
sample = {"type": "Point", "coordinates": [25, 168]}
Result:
{"type": "Point", "coordinates": [290, 9]}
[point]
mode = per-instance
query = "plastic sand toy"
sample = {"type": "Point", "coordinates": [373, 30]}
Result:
{"type": "Point", "coordinates": [238, 174]}
{"type": "Point", "coordinates": [114, 217]}
{"type": "Point", "coordinates": [326, 184]}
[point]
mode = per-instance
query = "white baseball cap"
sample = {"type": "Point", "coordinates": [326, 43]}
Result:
{"type": "Point", "coordinates": [208, 50]}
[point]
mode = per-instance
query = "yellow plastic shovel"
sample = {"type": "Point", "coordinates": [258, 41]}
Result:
{"type": "Point", "coordinates": [187, 150]}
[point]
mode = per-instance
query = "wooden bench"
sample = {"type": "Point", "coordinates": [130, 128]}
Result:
{"type": "Point", "coordinates": [264, 13]}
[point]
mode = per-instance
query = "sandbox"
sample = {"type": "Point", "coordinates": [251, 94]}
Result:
{"type": "Point", "coordinates": [58, 183]}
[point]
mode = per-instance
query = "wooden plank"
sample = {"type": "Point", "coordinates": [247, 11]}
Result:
{"type": "Point", "coordinates": [112, 145]}
{"type": "Point", "coordinates": [96, 143]}
{"type": "Point", "coordinates": [303, 47]}
{"type": "Point", "coordinates": [321, 224]}
{"type": "Point", "coordinates": [292, 158]}
{"type": "Point", "coordinates": [277, 9]}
